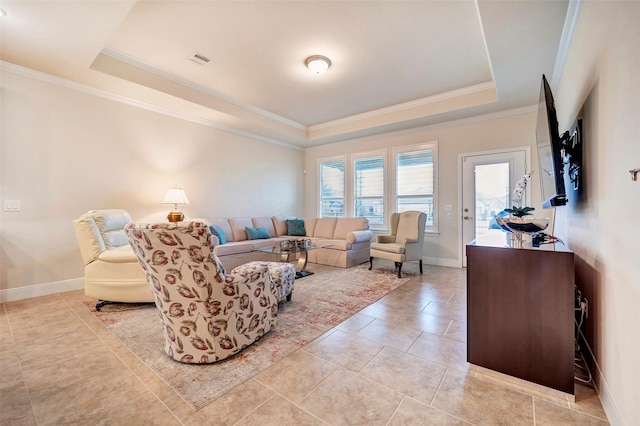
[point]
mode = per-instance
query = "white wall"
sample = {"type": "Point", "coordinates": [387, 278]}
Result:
{"type": "Point", "coordinates": [491, 134]}
{"type": "Point", "coordinates": [64, 152]}
{"type": "Point", "coordinates": [602, 78]}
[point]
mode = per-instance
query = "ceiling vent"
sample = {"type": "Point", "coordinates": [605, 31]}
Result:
{"type": "Point", "coordinates": [198, 58]}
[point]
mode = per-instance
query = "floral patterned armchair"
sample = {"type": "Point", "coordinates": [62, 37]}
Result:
{"type": "Point", "coordinates": [207, 315]}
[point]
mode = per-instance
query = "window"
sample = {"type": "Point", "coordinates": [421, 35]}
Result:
{"type": "Point", "coordinates": [332, 188]}
{"type": "Point", "coordinates": [375, 183]}
{"type": "Point", "coordinates": [369, 189]}
{"type": "Point", "coordinates": [415, 181]}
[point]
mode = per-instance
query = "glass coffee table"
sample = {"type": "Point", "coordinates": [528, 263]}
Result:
{"type": "Point", "coordinates": [284, 255]}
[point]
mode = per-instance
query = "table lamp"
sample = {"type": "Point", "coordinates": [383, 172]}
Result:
{"type": "Point", "coordinates": [175, 196]}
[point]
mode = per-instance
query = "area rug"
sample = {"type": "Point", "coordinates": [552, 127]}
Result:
{"type": "Point", "coordinates": [320, 302]}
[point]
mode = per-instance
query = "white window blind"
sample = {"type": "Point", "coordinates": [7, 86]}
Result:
{"type": "Point", "coordinates": [415, 182]}
{"type": "Point", "coordinates": [369, 189]}
{"type": "Point", "coordinates": [332, 189]}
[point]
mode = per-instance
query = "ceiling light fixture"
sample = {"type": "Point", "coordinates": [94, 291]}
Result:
{"type": "Point", "coordinates": [318, 64]}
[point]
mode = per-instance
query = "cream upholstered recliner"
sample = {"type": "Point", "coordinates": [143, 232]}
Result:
{"type": "Point", "coordinates": [207, 315]}
{"type": "Point", "coordinates": [112, 272]}
{"type": "Point", "coordinates": [406, 242]}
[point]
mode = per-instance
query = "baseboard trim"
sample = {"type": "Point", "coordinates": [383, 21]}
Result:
{"type": "Point", "coordinates": [435, 261]}
{"type": "Point", "coordinates": [37, 290]}
{"type": "Point", "coordinates": [45, 289]}
{"type": "Point", "coordinates": [602, 388]}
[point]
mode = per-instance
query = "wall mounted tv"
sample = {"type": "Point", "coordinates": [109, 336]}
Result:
{"type": "Point", "coordinates": [550, 150]}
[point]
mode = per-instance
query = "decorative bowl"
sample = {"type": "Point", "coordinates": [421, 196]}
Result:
{"type": "Point", "coordinates": [517, 226]}
{"type": "Point", "coordinates": [528, 225]}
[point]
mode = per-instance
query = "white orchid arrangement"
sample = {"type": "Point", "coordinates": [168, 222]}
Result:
{"type": "Point", "coordinates": [517, 210]}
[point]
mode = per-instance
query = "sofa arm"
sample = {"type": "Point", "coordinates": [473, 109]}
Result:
{"type": "Point", "coordinates": [359, 236]}
{"type": "Point", "coordinates": [385, 239]}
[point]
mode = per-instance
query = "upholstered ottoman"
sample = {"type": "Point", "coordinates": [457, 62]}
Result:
{"type": "Point", "coordinates": [284, 275]}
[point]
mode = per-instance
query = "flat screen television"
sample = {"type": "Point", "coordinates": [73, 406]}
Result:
{"type": "Point", "coordinates": [550, 155]}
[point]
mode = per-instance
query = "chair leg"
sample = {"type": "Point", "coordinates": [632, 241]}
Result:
{"type": "Point", "coordinates": [399, 266]}
{"type": "Point", "coordinates": [420, 266]}
{"type": "Point", "coordinates": [102, 303]}
{"type": "Point", "coordinates": [370, 262]}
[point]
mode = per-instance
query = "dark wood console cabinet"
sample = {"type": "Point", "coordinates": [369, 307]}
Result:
{"type": "Point", "coordinates": [520, 312]}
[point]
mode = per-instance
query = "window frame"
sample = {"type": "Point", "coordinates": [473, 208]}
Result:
{"type": "Point", "coordinates": [433, 146]}
{"type": "Point", "coordinates": [352, 185]}
{"type": "Point", "coordinates": [390, 160]}
{"type": "Point", "coordinates": [336, 159]}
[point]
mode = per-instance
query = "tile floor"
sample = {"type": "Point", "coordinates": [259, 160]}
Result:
{"type": "Point", "coordinates": [400, 361]}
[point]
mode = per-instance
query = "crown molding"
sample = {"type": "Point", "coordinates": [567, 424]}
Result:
{"type": "Point", "coordinates": [573, 11]}
{"type": "Point", "coordinates": [79, 87]}
{"type": "Point", "coordinates": [431, 127]}
{"type": "Point", "coordinates": [406, 106]}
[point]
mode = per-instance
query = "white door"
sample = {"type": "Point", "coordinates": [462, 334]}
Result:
{"type": "Point", "coordinates": [488, 179]}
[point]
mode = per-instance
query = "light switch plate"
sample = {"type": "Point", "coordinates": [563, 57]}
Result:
{"type": "Point", "coordinates": [11, 205]}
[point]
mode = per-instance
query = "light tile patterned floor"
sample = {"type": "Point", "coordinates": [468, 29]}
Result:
{"type": "Point", "coordinates": [400, 361]}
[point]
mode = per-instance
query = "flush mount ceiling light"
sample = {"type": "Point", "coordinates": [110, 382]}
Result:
{"type": "Point", "coordinates": [318, 64]}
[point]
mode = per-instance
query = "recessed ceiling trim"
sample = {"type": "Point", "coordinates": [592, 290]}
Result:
{"type": "Point", "coordinates": [573, 11]}
{"type": "Point", "coordinates": [428, 128]}
{"type": "Point", "coordinates": [410, 105]}
{"type": "Point", "coordinates": [205, 90]}
{"type": "Point", "coordinates": [484, 41]}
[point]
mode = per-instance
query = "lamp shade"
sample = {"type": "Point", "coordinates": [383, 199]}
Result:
{"type": "Point", "coordinates": [176, 196]}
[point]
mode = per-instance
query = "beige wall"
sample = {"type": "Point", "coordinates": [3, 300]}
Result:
{"type": "Point", "coordinates": [64, 152]}
{"type": "Point", "coordinates": [507, 132]}
{"type": "Point", "coordinates": [602, 78]}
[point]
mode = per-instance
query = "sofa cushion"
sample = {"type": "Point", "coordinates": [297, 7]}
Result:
{"type": "Point", "coordinates": [348, 224]}
{"type": "Point", "coordinates": [238, 226]}
{"type": "Point", "coordinates": [266, 223]}
{"type": "Point", "coordinates": [233, 248]}
{"type": "Point", "coordinates": [280, 224]}
{"type": "Point", "coordinates": [218, 232]}
{"type": "Point", "coordinates": [325, 227]}
{"type": "Point", "coordinates": [222, 223]}
{"type": "Point", "coordinates": [310, 225]}
{"type": "Point", "coordinates": [295, 228]}
{"type": "Point", "coordinates": [260, 244]}
{"type": "Point", "coordinates": [333, 244]}
{"type": "Point", "coordinates": [257, 233]}
{"type": "Point", "coordinates": [122, 254]}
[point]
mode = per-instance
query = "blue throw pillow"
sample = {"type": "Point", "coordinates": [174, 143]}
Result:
{"type": "Point", "coordinates": [257, 233]}
{"type": "Point", "coordinates": [295, 227]}
{"type": "Point", "coordinates": [218, 232]}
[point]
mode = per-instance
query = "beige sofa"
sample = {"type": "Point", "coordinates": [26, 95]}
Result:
{"type": "Point", "coordinates": [348, 239]}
